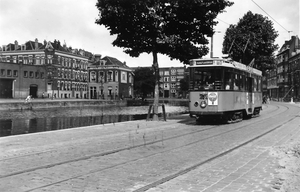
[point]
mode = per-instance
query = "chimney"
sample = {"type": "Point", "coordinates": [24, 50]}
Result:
{"type": "Point", "coordinates": [97, 57]}
{"type": "Point", "coordinates": [16, 45]}
{"type": "Point", "coordinates": [36, 44]}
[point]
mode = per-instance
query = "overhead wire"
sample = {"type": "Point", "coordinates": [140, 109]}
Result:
{"type": "Point", "coordinates": [270, 16]}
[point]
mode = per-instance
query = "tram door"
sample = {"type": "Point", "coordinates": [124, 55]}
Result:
{"type": "Point", "coordinates": [250, 94]}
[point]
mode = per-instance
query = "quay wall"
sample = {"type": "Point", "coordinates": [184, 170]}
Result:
{"type": "Point", "coordinates": [7, 106]}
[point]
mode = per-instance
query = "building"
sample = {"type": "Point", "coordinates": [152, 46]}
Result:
{"type": "Point", "coordinates": [170, 81]}
{"type": "Point", "coordinates": [283, 82]}
{"type": "Point", "coordinates": [272, 87]}
{"type": "Point", "coordinates": [110, 79]}
{"type": "Point", "coordinates": [45, 69]}
{"type": "Point", "coordinates": [294, 70]}
{"type": "Point", "coordinates": [52, 70]}
{"type": "Point", "coordinates": [18, 80]}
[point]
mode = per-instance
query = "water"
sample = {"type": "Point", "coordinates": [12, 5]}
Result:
{"type": "Point", "coordinates": [32, 121]}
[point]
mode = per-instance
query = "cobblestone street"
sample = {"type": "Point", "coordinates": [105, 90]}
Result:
{"type": "Point", "coordinates": [176, 155]}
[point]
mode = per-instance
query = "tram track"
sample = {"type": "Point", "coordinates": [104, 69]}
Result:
{"type": "Point", "coordinates": [185, 121]}
{"type": "Point", "coordinates": [188, 122]}
{"type": "Point", "coordinates": [244, 126]}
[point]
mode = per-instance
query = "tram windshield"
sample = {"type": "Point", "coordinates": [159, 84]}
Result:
{"type": "Point", "coordinates": [205, 78]}
{"type": "Point", "coordinates": [214, 78]}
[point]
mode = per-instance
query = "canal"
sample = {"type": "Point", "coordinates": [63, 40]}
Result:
{"type": "Point", "coordinates": [31, 121]}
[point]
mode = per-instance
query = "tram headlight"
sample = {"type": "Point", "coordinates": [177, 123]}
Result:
{"type": "Point", "coordinates": [196, 104]}
{"type": "Point", "coordinates": [203, 104]}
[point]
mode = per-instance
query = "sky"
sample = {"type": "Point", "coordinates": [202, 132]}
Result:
{"type": "Point", "coordinates": [73, 22]}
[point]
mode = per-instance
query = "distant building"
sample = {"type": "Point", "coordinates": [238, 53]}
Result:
{"type": "Point", "coordinates": [110, 79]}
{"type": "Point", "coordinates": [170, 81]}
{"type": "Point", "coordinates": [52, 70]}
{"type": "Point", "coordinates": [283, 82]}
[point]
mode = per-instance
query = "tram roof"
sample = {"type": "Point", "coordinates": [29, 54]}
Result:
{"type": "Point", "coordinates": [217, 62]}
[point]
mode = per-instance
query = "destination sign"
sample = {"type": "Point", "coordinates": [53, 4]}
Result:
{"type": "Point", "coordinates": [210, 62]}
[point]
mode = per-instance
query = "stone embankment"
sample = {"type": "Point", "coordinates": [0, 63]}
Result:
{"type": "Point", "coordinates": [15, 104]}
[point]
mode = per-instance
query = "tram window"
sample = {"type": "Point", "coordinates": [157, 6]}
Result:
{"type": "Point", "coordinates": [259, 85]}
{"type": "Point", "coordinates": [218, 79]}
{"type": "Point", "coordinates": [242, 82]}
{"type": "Point", "coordinates": [228, 81]}
{"type": "Point", "coordinates": [254, 85]}
{"type": "Point", "coordinates": [236, 82]}
{"type": "Point", "coordinates": [203, 79]}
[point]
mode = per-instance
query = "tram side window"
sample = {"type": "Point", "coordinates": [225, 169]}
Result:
{"type": "Point", "coordinates": [254, 85]}
{"type": "Point", "coordinates": [242, 82]}
{"type": "Point", "coordinates": [218, 79]}
{"type": "Point", "coordinates": [236, 82]}
{"type": "Point", "coordinates": [259, 85]}
{"type": "Point", "coordinates": [228, 81]}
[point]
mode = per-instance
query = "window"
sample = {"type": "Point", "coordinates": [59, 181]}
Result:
{"type": "Point", "coordinates": [166, 73]}
{"type": "Point", "coordinates": [31, 74]}
{"type": "Point", "coordinates": [49, 59]}
{"type": "Point", "coordinates": [173, 71]}
{"type": "Point", "coordinates": [93, 76]}
{"type": "Point", "coordinates": [166, 79]}
{"type": "Point", "coordinates": [37, 75]}
{"type": "Point", "coordinates": [15, 73]}
{"type": "Point", "coordinates": [101, 76]}
{"type": "Point", "coordinates": [124, 77]}
{"type": "Point", "coordinates": [173, 78]}
{"type": "Point", "coordinates": [25, 74]}
{"type": "Point", "coordinates": [2, 72]}
{"type": "Point", "coordinates": [25, 60]}
{"type": "Point", "coordinates": [42, 60]}
{"type": "Point", "coordinates": [130, 78]}
{"type": "Point", "coordinates": [20, 59]}
{"type": "Point", "coordinates": [116, 76]}
{"type": "Point", "coordinates": [208, 79]}
{"type": "Point", "coordinates": [9, 73]}
{"type": "Point", "coordinates": [30, 61]}
{"type": "Point", "coordinates": [255, 85]}
{"type": "Point", "coordinates": [42, 75]}
{"type": "Point", "coordinates": [37, 61]}
{"type": "Point", "coordinates": [15, 59]}
{"type": "Point", "coordinates": [109, 76]}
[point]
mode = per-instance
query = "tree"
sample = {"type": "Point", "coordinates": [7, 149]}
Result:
{"type": "Point", "coordinates": [144, 81]}
{"type": "Point", "coordinates": [252, 38]}
{"type": "Point", "coordinates": [176, 28]}
{"type": "Point", "coordinates": [184, 85]}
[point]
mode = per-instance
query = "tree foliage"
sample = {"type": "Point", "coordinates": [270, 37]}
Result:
{"type": "Point", "coordinates": [144, 81]}
{"type": "Point", "coordinates": [253, 37]}
{"type": "Point", "coordinates": [176, 28]}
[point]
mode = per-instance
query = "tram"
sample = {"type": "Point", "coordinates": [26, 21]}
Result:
{"type": "Point", "coordinates": [224, 89]}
